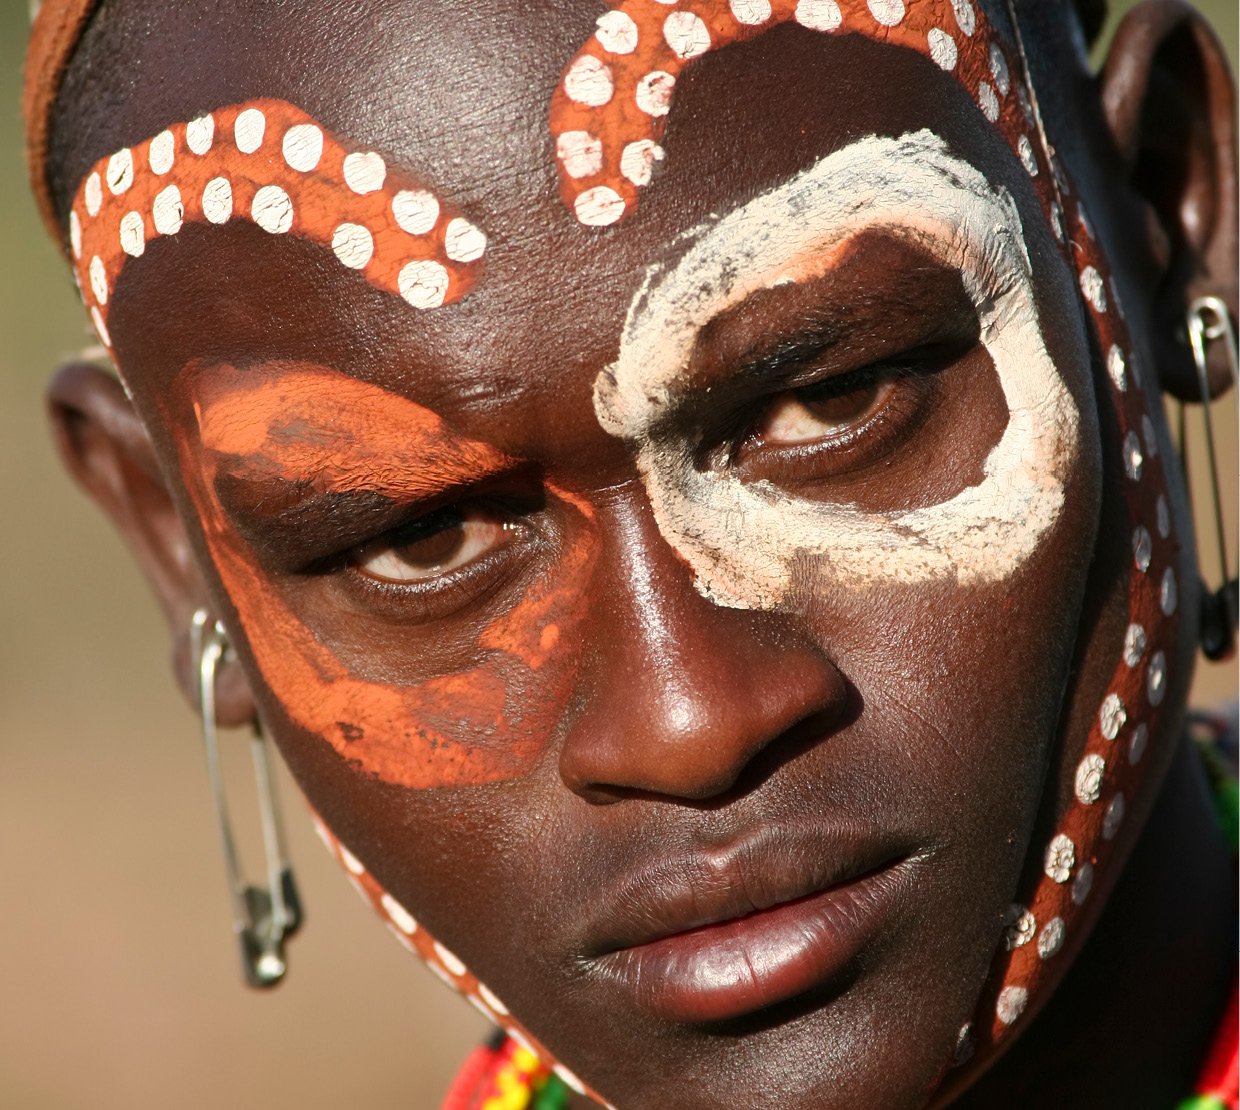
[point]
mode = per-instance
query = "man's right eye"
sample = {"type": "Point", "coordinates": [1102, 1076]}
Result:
{"type": "Point", "coordinates": [432, 546]}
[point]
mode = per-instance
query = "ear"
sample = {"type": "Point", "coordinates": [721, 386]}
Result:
{"type": "Point", "coordinates": [105, 447]}
{"type": "Point", "coordinates": [1169, 102]}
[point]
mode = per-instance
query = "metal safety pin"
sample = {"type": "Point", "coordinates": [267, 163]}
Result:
{"type": "Point", "coordinates": [1209, 321]}
{"type": "Point", "coordinates": [263, 917]}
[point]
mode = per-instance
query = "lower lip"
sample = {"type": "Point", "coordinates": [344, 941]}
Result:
{"type": "Point", "coordinates": [739, 967]}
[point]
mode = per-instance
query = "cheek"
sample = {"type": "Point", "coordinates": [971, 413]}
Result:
{"type": "Point", "coordinates": [483, 723]}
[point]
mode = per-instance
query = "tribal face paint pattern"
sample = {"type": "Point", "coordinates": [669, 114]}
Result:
{"type": "Point", "coordinates": [611, 106]}
{"type": "Point", "coordinates": [744, 540]}
{"type": "Point", "coordinates": [295, 433]}
{"type": "Point", "coordinates": [607, 115]}
{"type": "Point", "coordinates": [269, 162]}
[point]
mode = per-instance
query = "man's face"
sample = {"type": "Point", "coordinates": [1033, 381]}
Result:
{"type": "Point", "coordinates": [677, 624]}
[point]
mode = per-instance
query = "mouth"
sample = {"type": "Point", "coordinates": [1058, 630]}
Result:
{"type": "Point", "coordinates": [713, 937]}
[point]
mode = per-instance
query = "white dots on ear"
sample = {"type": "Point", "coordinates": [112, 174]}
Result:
{"type": "Point", "coordinates": [751, 13]}
{"type": "Point", "coordinates": [599, 207]}
{"type": "Point", "coordinates": [819, 15]}
{"type": "Point", "coordinates": [133, 234]}
{"type": "Point", "coordinates": [1113, 817]}
{"type": "Point", "coordinates": [92, 194]}
{"type": "Point", "coordinates": [637, 161]}
{"type": "Point", "coordinates": [686, 34]}
{"type": "Point", "coordinates": [1087, 784]}
{"type": "Point", "coordinates": [1163, 515]}
{"type": "Point", "coordinates": [654, 92]}
{"type": "Point", "coordinates": [162, 153]}
{"type": "Point", "coordinates": [167, 211]}
{"type": "Point", "coordinates": [1117, 367]}
{"type": "Point", "coordinates": [1051, 939]}
{"type": "Point", "coordinates": [1027, 158]}
{"type": "Point", "coordinates": [120, 171]}
{"type": "Point", "coordinates": [1011, 1004]}
{"type": "Point", "coordinates": [617, 33]}
{"type": "Point", "coordinates": [988, 101]}
{"type": "Point", "coordinates": [353, 245]}
{"type": "Point", "coordinates": [1156, 678]}
{"type": "Point", "coordinates": [1136, 746]}
{"type": "Point", "coordinates": [302, 147]}
{"type": "Point", "coordinates": [1019, 927]}
{"type": "Point", "coordinates": [423, 283]}
{"type": "Point", "coordinates": [1111, 716]}
{"type": "Point", "coordinates": [1134, 644]}
{"type": "Point", "coordinates": [1142, 548]}
{"type": "Point", "coordinates": [1167, 594]}
{"type": "Point", "coordinates": [217, 200]}
{"type": "Point", "coordinates": [75, 234]}
{"type": "Point", "coordinates": [415, 210]}
{"type": "Point", "coordinates": [589, 82]}
{"type": "Point", "coordinates": [449, 960]}
{"type": "Point", "coordinates": [400, 916]}
{"type": "Point", "coordinates": [1083, 883]}
{"type": "Point", "coordinates": [200, 134]}
{"type": "Point", "coordinates": [1149, 435]}
{"type": "Point", "coordinates": [966, 18]}
{"type": "Point", "coordinates": [463, 241]}
{"type": "Point", "coordinates": [887, 12]}
{"type": "Point", "coordinates": [580, 152]}
{"type": "Point", "coordinates": [1093, 288]}
{"type": "Point", "coordinates": [352, 864]}
{"type": "Point", "coordinates": [999, 70]}
{"type": "Point", "coordinates": [942, 49]}
{"type": "Point", "coordinates": [272, 210]}
{"type": "Point", "coordinates": [249, 129]}
{"type": "Point", "coordinates": [1060, 859]}
{"type": "Point", "coordinates": [1134, 460]}
{"type": "Point", "coordinates": [364, 172]}
{"type": "Point", "coordinates": [98, 280]}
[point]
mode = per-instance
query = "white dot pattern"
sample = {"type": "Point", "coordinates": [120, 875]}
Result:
{"type": "Point", "coordinates": [617, 33]}
{"type": "Point", "coordinates": [589, 82]}
{"type": "Point", "coordinates": [302, 147]}
{"type": "Point", "coordinates": [353, 245]}
{"type": "Point", "coordinates": [686, 34]}
{"type": "Point", "coordinates": [272, 210]}
{"type": "Point", "coordinates": [1060, 859]}
{"type": "Point", "coordinates": [1088, 782]}
{"type": "Point", "coordinates": [1111, 716]}
{"type": "Point", "coordinates": [119, 173]}
{"type": "Point", "coordinates": [1011, 1004]}
{"type": "Point", "coordinates": [1134, 644]}
{"type": "Point", "coordinates": [1050, 940]}
{"type": "Point", "coordinates": [364, 172]}
{"type": "Point", "coordinates": [580, 153]}
{"type": "Point", "coordinates": [200, 134]}
{"type": "Point", "coordinates": [819, 15]}
{"type": "Point", "coordinates": [162, 153]}
{"type": "Point", "coordinates": [1156, 679]}
{"type": "Point", "coordinates": [168, 213]}
{"type": "Point", "coordinates": [249, 129]}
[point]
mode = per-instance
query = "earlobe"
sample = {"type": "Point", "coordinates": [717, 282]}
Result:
{"type": "Point", "coordinates": [106, 449]}
{"type": "Point", "coordinates": [1169, 102]}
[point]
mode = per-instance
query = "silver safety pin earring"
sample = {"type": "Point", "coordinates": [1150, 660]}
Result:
{"type": "Point", "coordinates": [1209, 322]}
{"type": "Point", "coordinates": [263, 917]}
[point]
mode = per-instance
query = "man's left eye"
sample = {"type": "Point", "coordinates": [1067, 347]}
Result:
{"type": "Point", "coordinates": [432, 545]}
{"type": "Point", "coordinates": [808, 415]}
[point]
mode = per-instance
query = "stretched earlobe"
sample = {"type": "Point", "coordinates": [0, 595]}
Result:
{"type": "Point", "coordinates": [1169, 103]}
{"type": "Point", "coordinates": [105, 447]}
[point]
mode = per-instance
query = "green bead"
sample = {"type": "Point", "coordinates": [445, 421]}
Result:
{"type": "Point", "coordinates": [1202, 1102]}
{"type": "Point", "coordinates": [553, 1095]}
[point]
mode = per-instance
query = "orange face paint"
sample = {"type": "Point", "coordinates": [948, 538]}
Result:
{"type": "Point", "coordinates": [326, 432]}
{"type": "Point", "coordinates": [267, 161]}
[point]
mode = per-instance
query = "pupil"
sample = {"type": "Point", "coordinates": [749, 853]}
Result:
{"type": "Point", "coordinates": [431, 541]}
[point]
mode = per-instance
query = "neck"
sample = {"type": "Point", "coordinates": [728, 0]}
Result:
{"type": "Point", "coordinates": [1132, 1022]}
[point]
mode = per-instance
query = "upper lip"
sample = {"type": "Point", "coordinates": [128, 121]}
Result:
{"type": "Point", "coordinates": [775, 865]}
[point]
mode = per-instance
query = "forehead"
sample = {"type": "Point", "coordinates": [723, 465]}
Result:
{"type": "Point", "coordinates": [459, 97]}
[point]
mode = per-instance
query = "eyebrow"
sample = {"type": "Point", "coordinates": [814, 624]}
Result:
{"type": "Point", "coordinates": [300, 449]}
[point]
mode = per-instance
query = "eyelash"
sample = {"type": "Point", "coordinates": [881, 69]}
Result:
{"type": "Point", "coordinates": [440, 594]}
{"type": "Point", "coordinates": [912, 383]}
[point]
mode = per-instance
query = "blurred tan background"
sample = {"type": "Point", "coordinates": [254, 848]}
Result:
{"type": "Point", "coordinates": [119, 981]}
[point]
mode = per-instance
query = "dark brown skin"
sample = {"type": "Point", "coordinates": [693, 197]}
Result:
{"type": "Point", "coordinates": [931, 719]}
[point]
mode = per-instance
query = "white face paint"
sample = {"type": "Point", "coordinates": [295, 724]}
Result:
{"type": "Point", "coordinates": [743, 539]}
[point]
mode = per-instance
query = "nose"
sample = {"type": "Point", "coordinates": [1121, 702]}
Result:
{"type": "Point", "coordinates": [680, 695]}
